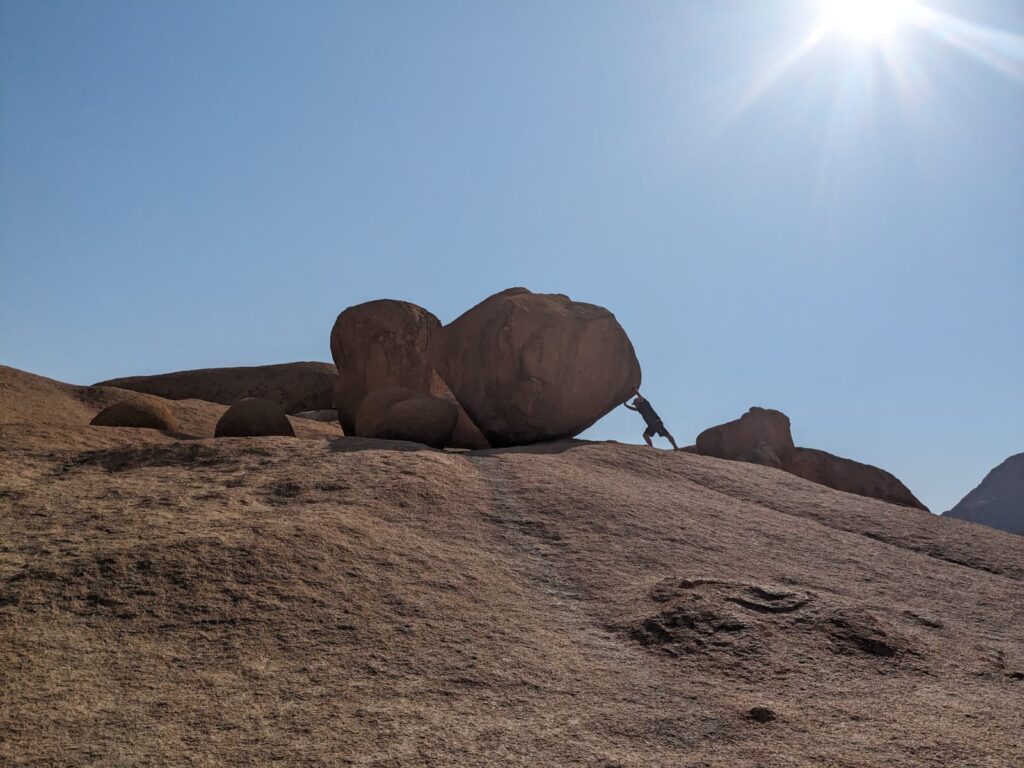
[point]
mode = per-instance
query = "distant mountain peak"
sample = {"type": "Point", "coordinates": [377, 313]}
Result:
{"type": "Point", "coordinates": [998, 501]}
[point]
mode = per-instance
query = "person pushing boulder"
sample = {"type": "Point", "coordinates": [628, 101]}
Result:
{"type": "Point", "coordinates": [655, 426]}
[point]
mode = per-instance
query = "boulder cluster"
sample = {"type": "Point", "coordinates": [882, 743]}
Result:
{"type": "Point", "coordinates": [518, 368]}
{"type": "Point", "coordinates": [763, 436]}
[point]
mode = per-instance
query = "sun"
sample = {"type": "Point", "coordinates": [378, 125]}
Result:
{"type": "Point", "coordinates": [867, 20]}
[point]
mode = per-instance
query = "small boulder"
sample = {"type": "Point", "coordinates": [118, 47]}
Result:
{"type": "Point", "coordinates": [402, 413]}
{"type": "Point", "coordinates": [148, 414]}
{"type": "Point", "coordinates": [529, 367]}
{"type": "Point", "coordinates": [850, 476]}
{"type": "Point", "coordinates": [381, 344]}
{"type": "Point", "coordinates": [254, 417]}
{"type": "Point", "coordinates": [743, 438]}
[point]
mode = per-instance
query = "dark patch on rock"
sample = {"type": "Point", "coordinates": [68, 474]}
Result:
{"type": "Point", "coordinates": [761, 714]}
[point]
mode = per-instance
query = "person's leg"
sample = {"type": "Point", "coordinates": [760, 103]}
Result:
{"type": "Point", "coordinates": [647, 438]}
{"type": "Point", "coordinates": [671, 440]}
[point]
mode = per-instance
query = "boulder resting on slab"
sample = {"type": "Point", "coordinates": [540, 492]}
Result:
{"type": "Point", "coordinates": [530, 367]}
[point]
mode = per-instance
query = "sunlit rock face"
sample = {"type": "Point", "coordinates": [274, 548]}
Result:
{"type": "Point", "coordinates": [998, 501]}
{"type": "Point", "coordinates": [530, 367]}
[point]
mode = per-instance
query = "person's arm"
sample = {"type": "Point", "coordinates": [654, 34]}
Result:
{"type": "Point", "coordinates": [631, 407]}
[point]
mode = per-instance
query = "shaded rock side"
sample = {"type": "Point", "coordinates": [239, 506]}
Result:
{"type": "Point", "coordinates": [144, 413]}
{"type": "Point", "coordinates": [294, 387]}
{"type": "Point", "coordinates": [254, 417]}
{"type": "Point", "coordinates": [850, 476]}
{"type": "Point", "coordinates": [401, 413]}
{"type": "Point", "coordinates": [745, 438]}
{"type": "Point", "coordinates": [531, 367]}
{"type": "Point", "coordinates": [998, 501]}
{"type": "Point", "coordinates": [379, 345]}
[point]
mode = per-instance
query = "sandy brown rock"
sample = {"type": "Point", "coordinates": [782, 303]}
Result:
{"type": "Point", "coordinates": [247, 602]}
{"type": "Point", "coordinates": [293, 387]}
{"type": "Point", "coordinates": [254, 417]}
{"type": "Point", "coordinates": [531, 367]}
{"type": "Point", "coordinates": [147, 413]}
{"type": "Point", "coordinates": [744, 436]}
{"type": "Point", "coordinates": [381, 344]}
{"type": "Point", "coordinates": [850, 476]}
{"type": "Point", "coordinates": [400, 413]}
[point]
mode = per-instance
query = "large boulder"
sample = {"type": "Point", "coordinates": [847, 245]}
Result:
{"type": "Point", "coordinates": [850, 476]}
{"type": "Point", "coordinates": [254, 417]}
{"type": "Point", "coordinates": [529, 367]}
{"type": "Point", "coordinates": [378, 345]}
{"type": "Point", "coordinates": [745, 438]}
{"type": "Point", "coordinates": [294, 387]}
{"type": "Point", "coordinates": [402, 413]}
{"type": "Point", "coordinates": [146, 413]}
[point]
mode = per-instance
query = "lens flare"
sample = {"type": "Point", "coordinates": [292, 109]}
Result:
{"type": "Point", "coordinates": [867, 20]}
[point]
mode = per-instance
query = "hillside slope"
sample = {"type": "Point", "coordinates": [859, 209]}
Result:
{"type": "Point", "coordinates": [167, 600]}
{"type": "Point", "coordinates": [998, 501]}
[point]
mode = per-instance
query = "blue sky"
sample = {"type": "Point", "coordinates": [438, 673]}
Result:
{"type": "Point", "coordinates": [202, 183]}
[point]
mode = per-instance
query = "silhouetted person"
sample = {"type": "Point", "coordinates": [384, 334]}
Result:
{"type": "Point", "coordinates": [655, 426]}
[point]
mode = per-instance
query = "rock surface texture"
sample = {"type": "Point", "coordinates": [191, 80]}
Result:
{"type": "Point", "coordinates": [763, 436]}
{"type": "Point", "coordinates": [400, 413]}
{"type": "Point", "coordinates": [150, 414]}
{"type": "Point", "coordinates": [378, 345]}
{"type": "Point", "coordinates": [254, 417]}
{"type": "Point", "coordinates": [293, 386]}
{"type": "Point", "coordinates": [305, 602]}
{"type": "Point", "coordinates": [999, 500]}
{"type": "Point", "coordinates": [531, 367]}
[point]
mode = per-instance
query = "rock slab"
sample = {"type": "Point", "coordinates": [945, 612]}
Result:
{"type": "Point", "coordinates": [294, 387]}
{"type": "Point", "coordinates": [850, 476]}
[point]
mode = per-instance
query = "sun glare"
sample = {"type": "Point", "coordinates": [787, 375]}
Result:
{"type": "Point", "coordinates": [867, 20]}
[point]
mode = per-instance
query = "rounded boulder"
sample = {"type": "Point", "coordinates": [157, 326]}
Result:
{"type": "Point", "coordinates": [530, 367]}
{"type": "Point", "coordinates": [254, 417]}
{"type": "Point", "coordinates": [378, 345]}
{"type": "Point", "coordinates": [402, 413]}
{"type": "Point", "coordinates": [147, 414]}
